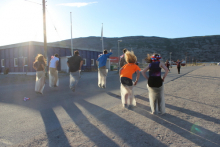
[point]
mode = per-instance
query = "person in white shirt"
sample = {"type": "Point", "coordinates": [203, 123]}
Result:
{"type": "Point", "coordinates": [53, 72]}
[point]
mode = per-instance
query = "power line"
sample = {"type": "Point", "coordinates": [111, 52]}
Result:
{"type": "Point", "coordinates": [53, 24]}
{"type": "Point", "coordinates": [33, 2]}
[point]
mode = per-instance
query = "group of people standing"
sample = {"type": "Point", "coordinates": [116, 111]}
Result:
{"type": "Point", "coordinates": [128, 64]}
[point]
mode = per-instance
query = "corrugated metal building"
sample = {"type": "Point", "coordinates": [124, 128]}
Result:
{"type": "Point", "coordinates": [19, 58]}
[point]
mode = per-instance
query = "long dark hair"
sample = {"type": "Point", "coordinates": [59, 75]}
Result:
{"type": "Point", "coordinates": [40, 58]}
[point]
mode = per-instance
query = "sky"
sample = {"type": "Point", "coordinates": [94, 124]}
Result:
{"type": "Point", "coordinates": [22, 20]}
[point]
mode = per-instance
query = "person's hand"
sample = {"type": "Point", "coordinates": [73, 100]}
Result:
{"type": "Point", "coordinates": [163, 79]}
{"type": "Point", "coordinates": [135, 83]}
{"type": "Point", "coordinates": [110, 50]}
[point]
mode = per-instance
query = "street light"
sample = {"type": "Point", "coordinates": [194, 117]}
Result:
{"type": "Point", "coordinates": [118, 54]}
{"type": "Point", "coordinates": [170, 60]}
{"type": "Point", "coordinates": [185, 58]}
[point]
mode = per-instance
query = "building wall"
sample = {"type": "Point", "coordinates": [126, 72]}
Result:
{"type": "Point", "coordinates": [31, 51]}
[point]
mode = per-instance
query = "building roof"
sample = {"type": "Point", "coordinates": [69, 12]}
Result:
{"type": "Point", "coordinates": [35, 43]}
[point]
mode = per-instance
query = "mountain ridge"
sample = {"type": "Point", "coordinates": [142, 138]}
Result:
{"type": "Point", "coordinates": [200, 48]}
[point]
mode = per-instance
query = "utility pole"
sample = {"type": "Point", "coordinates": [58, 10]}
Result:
{"type": "Point", "coordinates": [102, 38]}
{"type": "Point", "coordinates": [170, 60]}
{"type": "Point", "coordinates": [71, 34]}
{"type": "Point", "coordinates": [45, 34]}
{"type": "Point", "coordinates": [186, 58]}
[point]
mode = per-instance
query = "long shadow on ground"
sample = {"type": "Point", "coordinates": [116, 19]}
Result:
{"type": "Point", "coordinates": [88, 129]}
{"type": "Point", "coordinates": [187, 111]}
{"type": "Point", "coordinates": [129, 133]}
{"type": "Point", "coordinates": [199, 136]}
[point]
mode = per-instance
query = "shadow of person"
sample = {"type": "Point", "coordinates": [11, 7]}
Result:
{"type": "Point", "coordinates": [52, 123]}
{"type": "Point", "coordinates": [129, 133]}
{"type": "Point", "coordinates": [88, 129]}
{"type": "Point", "coordinates": [196, 134]}
{"type": "Point", "coordinates": [186, 111]}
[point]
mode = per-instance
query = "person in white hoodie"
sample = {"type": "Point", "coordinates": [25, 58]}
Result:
{"type": "Point", "coordinates": [53, 72]}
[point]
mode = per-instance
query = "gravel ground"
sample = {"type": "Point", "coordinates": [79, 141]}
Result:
{"type": "Point", "coordinates": [192, 118]}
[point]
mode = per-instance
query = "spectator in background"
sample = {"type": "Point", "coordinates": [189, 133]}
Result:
{"type": "Point", "coordinates": [74, 63]}
{"type": "Point", "coordinates": [53, 71]}
{"type": "Point", "coordinates": [178, 65]}
{"type": "Point", "coordinates": [122, 58]}
{"type": "Point", "coordinates": [102, 71]}
{"type": "Point", "coordinates": [39, 65]}
{"type": "Point", "coordinates": [155, 83]}
{"type": "Point", "coordinates": [126, 72]}
{"type": "Point", "coordinates": [167, 65]}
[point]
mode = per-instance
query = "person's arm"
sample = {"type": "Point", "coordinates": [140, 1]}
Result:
{"type": "Point", "coordinates": [34, 67]}
{"type": "Point", "coordinates": [68, 63]}
{"type": "Point", "coordinates": [166, 70]}
{"type": "Point", "coordinates": [57, 63]}
{"type": "Point", "coordinates": [109, 53]}
{"type": "Point", "coordinates": [81, 63]}
{"type": "Point", "coordinates": [144, 71]}
{"type": "Point", "coordinates": [120, 71]}
{"type": "Point", "coordinates": [97, 62]}
{"type": "Point", "coordinates": [137, 78]}
{"type": "Point", "coordinates": [43, 66]}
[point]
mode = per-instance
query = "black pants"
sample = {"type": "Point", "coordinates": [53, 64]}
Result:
{"type": "Point", "coordinates": [126, 81]}
{"type": "Point", "coordinates": [178, 68]}
{"type": "Point", "coordinates": [155, 82]}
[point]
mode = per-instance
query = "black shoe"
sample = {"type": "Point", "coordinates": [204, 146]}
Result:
{"type": "Point", "coordinates": [130, 107]}
{"type": "Point", "coordinates": [103, 86]}
{"type": "Point", "coordinates": [125, 106]}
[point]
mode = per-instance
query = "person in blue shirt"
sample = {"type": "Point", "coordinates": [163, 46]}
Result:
{"type": "Point", "coordinates": [102, 71]}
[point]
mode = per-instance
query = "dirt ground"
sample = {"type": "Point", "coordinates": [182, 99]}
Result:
{"type": "Point", "coordinates": [192, 119]}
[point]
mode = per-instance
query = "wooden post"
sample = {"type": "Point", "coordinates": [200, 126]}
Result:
{"type": "Point", "coordinates": [45, 34]}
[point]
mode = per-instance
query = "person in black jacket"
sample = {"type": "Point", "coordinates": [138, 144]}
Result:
{"type": "Point", "coordinates": [167, 65]}
{"type": "Point", "coordinates": [178, 65]}
{"type": "Point", "coordinates": [74, 63]}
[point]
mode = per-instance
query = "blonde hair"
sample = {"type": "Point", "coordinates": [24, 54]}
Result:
{"type": "Point", "coordinates": [130, 57]}
{"type": "Point", "coordinates": [148, 58]}
{"type": "Point", "coordinates": [40, 57]}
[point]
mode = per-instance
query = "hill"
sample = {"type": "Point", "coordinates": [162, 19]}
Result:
{"type": "Point", "coordinates": [200, 48]}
